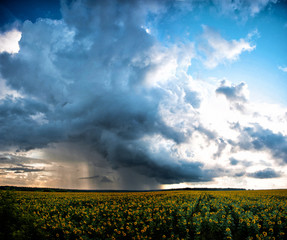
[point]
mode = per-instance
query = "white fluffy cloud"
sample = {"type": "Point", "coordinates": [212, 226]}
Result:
{"type": "Point", "coordinates": [218, 50]}
{"type": "Point", "coordinates": [9, 41]}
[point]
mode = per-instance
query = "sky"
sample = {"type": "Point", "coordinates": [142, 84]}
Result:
{"type": "Point", "coordinates": [141, 95]}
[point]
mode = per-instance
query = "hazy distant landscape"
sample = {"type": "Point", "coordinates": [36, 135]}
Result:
{"type": "Point", "coordinates": [15, 188]}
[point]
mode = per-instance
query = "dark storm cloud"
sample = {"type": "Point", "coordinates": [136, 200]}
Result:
{"type": "Point", "coordinates": [91, 177]}
{"type": "Point", "coordinates": [260, 139]}
{"type": "Point", "coordinates": [102, 179]}
{"type": "Point", "coordinates": [160, 166]}
{"type": "Point", "coordinates": [83, 80]}
{"type": "Point", "coordinates": [266, 173]}
{"type": "Point", "coordinates": [18, 164]}
{"type": "Point", "coordinates": [18, 127]}
{"type": "Point", "coordinates": [18, 160]}
{"type": "Point", "coordinates": [105, 179]}
{"type": "Point", "coordinates": [22, 169]}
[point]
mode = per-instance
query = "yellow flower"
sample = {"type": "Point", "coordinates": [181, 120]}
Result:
{"type": "Point", "coordinates": [227, 229]}
{"type": "Point", "coordinates": [264, 234]}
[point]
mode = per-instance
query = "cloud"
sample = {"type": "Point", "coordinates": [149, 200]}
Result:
{"type": "Point", "coordinates": [102, 179]}
{"type": "Point", "coordinates": [234, 162]}
{"type": "Point", "coordinates": [106, 180]}
{"type": "Point", "coordinates": [284, 69]}
{"type": "Point", "coordinates": [9, 41]}
{"type": "Point", "coordinates": [221, 145]}
{"type": "Point", "coordinates": [22, 169]}
{"type": "Point", "coordinates": [211, 135]}
{"type": "Point", "coordinates": [158, 164]}
{"type": "Point", "coordinates": [18, 127]}
{"type": "Point", "coordinates": [192, 98]}
{"type": "Point", "coordinates": [260, 139]}
{"type": "Point", "coordinates": [265, 173]}
{"type": "Point", "coordinates": [217, 50]}
{"type": "Point", "coordinates": [237, 95]}
{"type": "Point", "coordinates": [239, 174]}
{"type": "Point", "coordinates": [11, 164]}
{"type": "Point", "coordinates": [233, 92]}
{"type": "Point", "coordinates": [83, 80]}
{"type": "Point", "coordinates": [11, 159]}
{"type": "Point", "coordinates": [242, 8]}
{"type": "Point", "coordinates": [6, 91]}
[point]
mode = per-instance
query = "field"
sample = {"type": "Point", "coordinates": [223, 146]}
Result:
{"type": "Point", "coordinates": [144, 215]}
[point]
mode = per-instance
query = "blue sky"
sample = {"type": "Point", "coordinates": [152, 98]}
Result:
{"type": "Point", "coordinates": [268, 28]}
{"type": "Point", "coordinates": [143, 94]}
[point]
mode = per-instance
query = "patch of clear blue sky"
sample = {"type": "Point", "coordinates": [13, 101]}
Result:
{"type": "Point", "coordinates": [258, 68]}
{"type": "Point", "coordinates": [21, 10]}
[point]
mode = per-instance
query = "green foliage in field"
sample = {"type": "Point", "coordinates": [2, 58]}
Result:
{"type": "Point", "coordinates": [151, 215]}
{"type": "Point", "coordinates": [14, 223]}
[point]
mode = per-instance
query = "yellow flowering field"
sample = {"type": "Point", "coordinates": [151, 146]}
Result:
{"type": "Point", "coordinates": [146, 215]}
